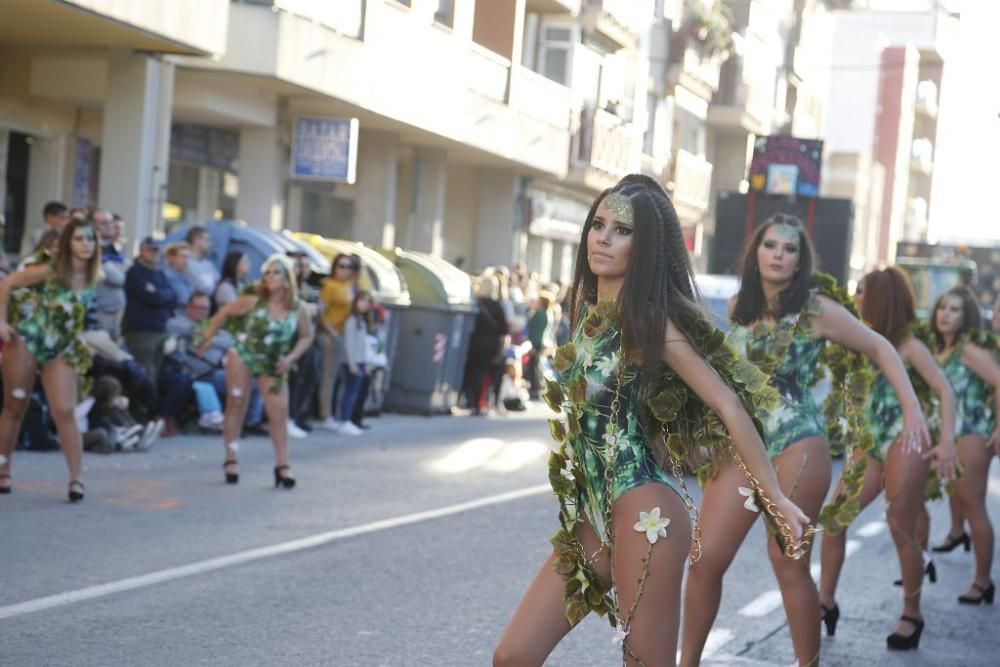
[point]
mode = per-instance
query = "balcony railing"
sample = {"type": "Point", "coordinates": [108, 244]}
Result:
{"type": "Point", "coordinates": [488, 73]}
{"type": "Point", "coordinates": [542, 98]}
{"type": "Point", "coordinates": [606, 142]}
{"type": "Point", "coordinates": [692, 181]}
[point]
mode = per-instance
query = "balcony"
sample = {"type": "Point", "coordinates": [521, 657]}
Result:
{"type": "Point", "coordinates": [739, 104]}
{"type": "Point", "coordinates": [615, 22]}
{"type": "Point", "coordinates": [922, 157]}
{"type": "Point", "coordinates": [542, 98]}
{"type": "Point", "coordinates": [927, 99]}
{"type": "Point", "coordinates": [571, 7]}
{"type": "Point", "coordinates": [690, 70]}
{"type": "Point", "coordinates": [605, 148]}
{"type": "Point", "coordinates": [488, 73]}
{"type": "Point", "coordinates": [690, 187]}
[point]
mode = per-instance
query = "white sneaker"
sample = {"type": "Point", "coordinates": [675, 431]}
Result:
{"type": "Point", "coordinates": [329, 424]}
{"type": "Point", "coordinates": [294, 431]}
{"type": "Point", "coordinates": [211, 420]}
{"type": "Point", "coordinates": [347, 428]}
{"type": "Point", "coordinates": [149, 436]}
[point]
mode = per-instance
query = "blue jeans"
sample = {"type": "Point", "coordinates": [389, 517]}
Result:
{"type": "Point", "coordinates": [352, 391]}
{"type": "Point", "coordinates": [208, 400]}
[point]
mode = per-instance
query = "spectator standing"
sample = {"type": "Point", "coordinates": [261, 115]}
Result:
{"type": "Point", "coordinates": [356, 330]}
{"type": "Point", "coordinates": [486, 343]}
{"type": "Point", "coordinates": [305, 376]}
{"type": "Point", "coordinates": [540, 326]}
{"type": "Point", "coordinates": [234, 272]}
{"type": "Point", "coordinates": [201, 272]}
{"type": "Point", "coordinates": [109, 295]}
{"type": "Point", "coordinates": [150, 302]}
{"type": "Point", "coordinates": [336, 295]}
{"type": "Point", "coordinates": [177, 256]}
{"type": "Point", "coordinates": [55, 215]}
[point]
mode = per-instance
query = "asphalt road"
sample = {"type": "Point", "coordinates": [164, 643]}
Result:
{"type": "Point", "coordinates": [409, 545]}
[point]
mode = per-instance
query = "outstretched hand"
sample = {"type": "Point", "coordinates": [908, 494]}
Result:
{"type": "Point", "coordinates": [945, 460]}
{"type": "Point", "coordinates": [916, 437]}
{"type": "Point", "coordinates": [797, 520]}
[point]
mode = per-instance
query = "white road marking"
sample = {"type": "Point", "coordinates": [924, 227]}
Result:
{"type": "Point", "coordinates": [470, 454]}
{"type": "Point", "coordinates": [762, 605]}
{"type": "Point", "coordinates": [994, 486]}
{"type": "Point", "coordinates": [851, 548]}
{"type": "Point", "coordinates": [716, 640]}
{"type": "Point", "coordinates": [250, 555]}
{"type": "Point", "coordinates": [871, 529]}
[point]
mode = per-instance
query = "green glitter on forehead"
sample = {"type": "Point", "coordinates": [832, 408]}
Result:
{"type": "Point", "coordinates": [621, 207]}
{"type": "Point", "coordinates": [787, 232]}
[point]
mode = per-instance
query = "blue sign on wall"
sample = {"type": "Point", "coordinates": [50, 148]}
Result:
{"type": "Point", "coordinates": [325, 149]}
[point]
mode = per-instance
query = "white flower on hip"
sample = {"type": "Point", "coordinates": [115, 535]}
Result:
{"type": "Point", "coordinates": [50, 340]}
{"type": "Point", "coordinates": [751, 503]}
{"type": "Point", "coordinates": [67, 308]}
{"type": "Point", "coordinates": [268, 340]}
{"type": "Point", "coordinates": [242, 338]}
{"type": "Point", "coordinates": [651, 524]}
{"type": "Point", "coordinates": [620, 633]}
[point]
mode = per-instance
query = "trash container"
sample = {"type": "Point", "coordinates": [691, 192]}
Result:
{"type": "Point", "coordinates": [434, 332]}
{"type": "Point", "coordinates": [386, 284]}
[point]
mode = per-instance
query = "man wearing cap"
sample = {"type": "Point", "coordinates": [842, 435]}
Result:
{"type": "Point", "coordinates": [150, 303]}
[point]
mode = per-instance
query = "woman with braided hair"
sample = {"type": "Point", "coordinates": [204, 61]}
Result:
{"type": "Point", "coordinates": [887, 303]}
{"type": "Point", "coordinates": [782, 323]}
{"type": "Point", "coordinates": [975, 376]}
{"type": "Point", "coordinates": [644, 383]}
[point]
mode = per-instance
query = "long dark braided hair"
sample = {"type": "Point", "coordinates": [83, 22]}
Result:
{"type": "Point", "coordinates": [659, 282]}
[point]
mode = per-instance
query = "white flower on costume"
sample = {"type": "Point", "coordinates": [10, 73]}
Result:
{"type": "Point", "coordinates": [651, 524]}
{"type": "Point", "coordinates": [67, 308]}
{"type": "Point", "coordinates": [50, 340]}
{"type": "Point", "coordinates": [620, 633]}
{"type": "Point", "coordinates": [616, 440]}
{"type": "Point", "coordinates": [585, 353]}
{"type": "Point", "coordinates": [751, 503]}
{"type": "Point", "coordinates": [268, 340]}
{"type": "Point", "coordinates": [242, 338]}
{"type": "Point", "coordinates": [607, 365]}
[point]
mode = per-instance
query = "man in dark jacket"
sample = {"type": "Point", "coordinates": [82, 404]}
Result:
{"type": "Point", "coordinates": [150, 302]}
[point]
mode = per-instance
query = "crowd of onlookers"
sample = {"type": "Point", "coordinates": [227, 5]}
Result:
{"type": "Point", "coordinates": [519, 324]}
{"type": "Point", "coordinates": [144, 326]}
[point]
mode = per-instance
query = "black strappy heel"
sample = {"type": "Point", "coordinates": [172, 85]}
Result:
{"type": "Point", "coordinates": [987, 595]}
{"type": "Point", "coordinates": [5, 489]}
{"type": "Point", "coordinates": [75, 496]}
{"type": "Point", "coordinates": [285, 482]}
{"type": "Point", "coordinates": [830, 617]}
{"type": "Point", "coordinates": [231, 477]}
{"type": "Point", "coordinates": [952, 542]}
{"type": "Point", "coordinates": [898, 642]}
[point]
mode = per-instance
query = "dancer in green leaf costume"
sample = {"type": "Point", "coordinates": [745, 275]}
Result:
{"type": "Point", "coordinates": [645, 384]}
{"type": "Point", "coordinates": [788, 321]}
{"type": "Point", "coordinates": [968, 357]}
{"type": "Point", "coordinates": [272, 331]}
{"type": "Point", "coordinates": [43, 308]}
{"type": "Point", "coordinates": [887, 303]}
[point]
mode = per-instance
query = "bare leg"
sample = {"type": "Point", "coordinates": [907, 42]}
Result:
{"type": "Point", "coordinates": [972, 495]}
{"type": "Point", "coordinates": [59, 382]}
{"type": "Point", "coordinates": [724, 525]}
{"type": "Point", "coordinates": [237, 393]}
{"type": "Point", "coordinates": [539, 622]}
{"type": "Point", "coordinates": [905, 479]}
{"type": "Point", "coordinates": [804, 474]}
{"type": "Point", "coordinates": [957, 528]}
{"type": "Point", "coordinates": [18, 368]}
{"type": "Point", "coordinates": [833, 545]}
{"type": "Point", "coordinates": [276, 407]}
{"type": "Point", "coordinates": [654, 623]}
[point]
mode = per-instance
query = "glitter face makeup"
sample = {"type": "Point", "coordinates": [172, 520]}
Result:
{"type": "Point", "coordinates": [621, 206]}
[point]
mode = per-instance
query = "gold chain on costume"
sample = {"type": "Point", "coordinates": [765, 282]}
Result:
{"type": "Point", "coordinates": [769, 508]}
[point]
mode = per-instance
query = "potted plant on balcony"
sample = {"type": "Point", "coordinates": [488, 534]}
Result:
{"type": "Point", "coordinates": [710, 28]}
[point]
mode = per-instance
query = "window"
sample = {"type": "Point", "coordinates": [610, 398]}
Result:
{"type": "Point", "coordinates": [445, 14]}
{"type": "Point", "coordinates": [555, 52]}
{"type": "Point", "coordinates": [405, 3]}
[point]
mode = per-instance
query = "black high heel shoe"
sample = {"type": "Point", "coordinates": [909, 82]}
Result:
{"type": "Point", "coordinates": [930, 571]}
{"type": "Point", "coordinates": [75, 496]}
{"type": "Point", "coordinates": [898, 642]}
{"type": "Point", "coordinates": [284, 481]}
{"type": "Point", "coordinates": [951, 543]}
{"type": "Point", "coordinates": [231, 477]}
{"type": "Point", "coordinates": [5, 489]}
{"type": "Point", "coordinates": [830, 617]}
{"type": "Point", "coordinates": [987, 595]}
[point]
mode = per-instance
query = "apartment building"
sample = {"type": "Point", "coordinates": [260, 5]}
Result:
{"type": "Point", "coordinates": [482, 129]}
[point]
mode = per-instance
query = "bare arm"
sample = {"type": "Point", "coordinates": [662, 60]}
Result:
{"type": "Point", "coordinates": [717, 395]}
{"type": "Point", "coordinates": [917, 354]}
{"type": "Point", "coordinates": [241, 306]}
{"type": "Point", "coordinates": [32, 275]}
{"type": "Point", "coordinates": [305, 339]}
{"type": "Point", "coordinates": [837, 324]}
{"type": "Point", "coordinates": [983, 364]}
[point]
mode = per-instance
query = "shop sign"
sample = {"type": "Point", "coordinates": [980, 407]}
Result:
{"type": "Point", "coordinates": [784, 165]}
{"type": "Point", "coordinates": [555, 217]}
{"type": "Point", "coordinates": [325, 149]}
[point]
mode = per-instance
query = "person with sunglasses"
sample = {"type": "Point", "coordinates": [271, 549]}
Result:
{"type": "Point", "coordinates": [336, 297]}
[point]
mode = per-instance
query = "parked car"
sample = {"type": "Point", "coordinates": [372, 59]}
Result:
{"type": "Point", "coordinates": [716, 290]}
